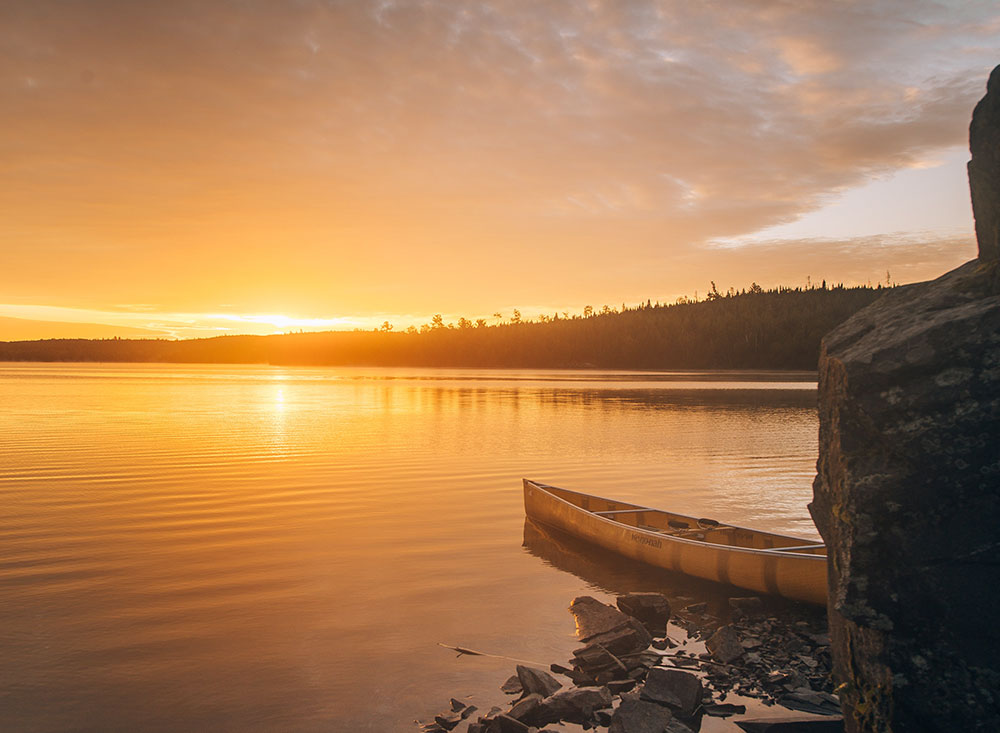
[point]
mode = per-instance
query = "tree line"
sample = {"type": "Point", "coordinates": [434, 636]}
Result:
{"type": "Point", "coordinates": [752, 328]}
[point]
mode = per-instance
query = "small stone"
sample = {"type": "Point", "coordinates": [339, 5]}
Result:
{"type": "Point", "coordinates": [724, 709]}
{"type": "Point", "coordinates": [751, 642]}
{"type": "Point", "coordinates": [679, 690]}
{"type": "Point", "coordinates": [448, 720]}
{"type": "Point", "coordinates": [537, 681]}
{"type": "Point", "coordinates": [636, 716]}
{"type": "Point", "coordinates": [724, 645]}
{"type": "Point", "coordinates": [696, 609]}
{"type": "Point", "coordinates": [457, 705]}
{"type": "Point", "coordinates": [685, 662]}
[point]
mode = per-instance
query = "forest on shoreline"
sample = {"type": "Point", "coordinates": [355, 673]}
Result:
{"type": "Point", "coordinates": [749, 329]}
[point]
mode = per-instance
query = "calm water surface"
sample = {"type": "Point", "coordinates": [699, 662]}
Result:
{"type": "Point", "coordinates": [246, 548]}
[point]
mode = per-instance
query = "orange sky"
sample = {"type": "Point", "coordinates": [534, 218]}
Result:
{"type": "Point", "coordinates": [194, 168]}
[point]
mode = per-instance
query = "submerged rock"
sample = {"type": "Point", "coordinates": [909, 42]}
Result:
{"type": "Point", "coordinates": [907, 495]}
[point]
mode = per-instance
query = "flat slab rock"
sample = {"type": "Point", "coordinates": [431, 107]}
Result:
{"type": "Point", "coordinates": [594, 618]}
{"type": "Point", "coordinates": [798, 724]}
{"type": "Point", "coordinates": [574, 704]}
{"type": "Point", "coordinates": [629, 639]}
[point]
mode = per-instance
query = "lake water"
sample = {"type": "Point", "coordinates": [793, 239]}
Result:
{"type": "Point", "coordinates": [247, 548]}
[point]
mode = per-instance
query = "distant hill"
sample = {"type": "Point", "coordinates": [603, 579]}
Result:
{"type": "Point", "coordinates": [775, 329]}
{"type": "Point", "coordinates": [17, 329]}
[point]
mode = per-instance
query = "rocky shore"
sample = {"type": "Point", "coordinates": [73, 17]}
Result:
{"type": "Point", "coordinates": [643, 667]}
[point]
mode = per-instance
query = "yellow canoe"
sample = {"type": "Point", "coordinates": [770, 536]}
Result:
{"type": "Point", "coordinates": [747, 558]}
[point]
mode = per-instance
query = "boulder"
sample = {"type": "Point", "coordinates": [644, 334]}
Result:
{"type": "Point", "coordinates": [636, 716]}
{"type": "Point", "coordinates": [537, 681]}
{"type": "Point", "coordinates": [984, 169]}
{"type": "Point", "coordinates": [652, 609]}
{"type": "Point", "coordinates": [907, 493]}
{"type": "Point", "coordinates": [724, 645]}
{"type": "Point", "coordinates": [682, 691]}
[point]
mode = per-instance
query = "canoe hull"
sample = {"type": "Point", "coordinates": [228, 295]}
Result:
{"type": "Point", "coordinates": [793, 576]}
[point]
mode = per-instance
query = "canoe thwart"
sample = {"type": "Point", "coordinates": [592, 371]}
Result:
{"type": "Point", "coordinates": [634, 510]}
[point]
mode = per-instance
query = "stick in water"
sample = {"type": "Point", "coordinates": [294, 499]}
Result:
{"type": "Point", "coordinates": [463, 651]}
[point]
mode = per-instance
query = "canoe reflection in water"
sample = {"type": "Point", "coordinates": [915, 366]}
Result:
{"type": "Point", "coordinates": [610, 573]}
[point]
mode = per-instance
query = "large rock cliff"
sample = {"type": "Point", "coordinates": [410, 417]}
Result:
{"type": "Point", "coordinates": [907, 495]}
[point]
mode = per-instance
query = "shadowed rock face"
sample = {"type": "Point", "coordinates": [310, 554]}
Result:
{"type": "Point", "coordinates": [984, 169]}
{"type": "Point", "coordinates": [907, 494]}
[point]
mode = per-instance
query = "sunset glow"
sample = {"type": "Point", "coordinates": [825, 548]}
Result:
{"type": "Point", "coordinates": [188, 169]}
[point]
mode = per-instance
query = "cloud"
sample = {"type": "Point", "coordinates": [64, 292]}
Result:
{"type": "Point", "coordinates": [186, 153]}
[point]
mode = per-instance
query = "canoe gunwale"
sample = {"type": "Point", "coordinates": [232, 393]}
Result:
{"type": "Point", "coordinates": [770, 552]}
